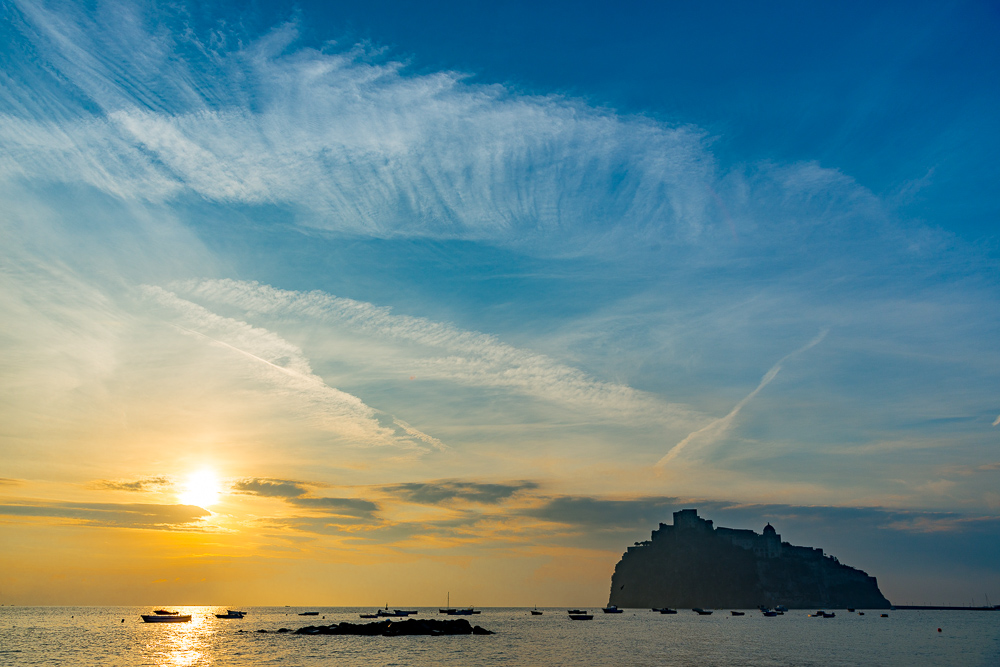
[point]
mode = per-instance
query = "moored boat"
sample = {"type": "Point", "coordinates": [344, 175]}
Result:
{"type": "Point", "coordinates": [612, 609]}
{"type": "Point", "coordinates": [668, 610]}
{"type": "Point", "coordinates": [584, 616]}
{"type": "Point", "coordinates": [166, 618]}
{"type": "Point", "coordinates": [738, 613]}
{"type": "Point", "coordinates": [231, 613]}
{"type": "Point", "coordinates": [395, 613]}
{"type": "Point", "coordinates": [468, 611]}
{"type": "Point", "coordinates": [309, 613]}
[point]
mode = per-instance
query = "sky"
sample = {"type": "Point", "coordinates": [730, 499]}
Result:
{"type": "Point", "coordinates": [347, 304]}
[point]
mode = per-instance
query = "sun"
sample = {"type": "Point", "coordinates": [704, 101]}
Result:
{"type": "Point", "coordinates": [201, 489]}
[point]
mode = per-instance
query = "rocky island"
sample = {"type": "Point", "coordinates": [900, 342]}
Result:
{"type": "Point", "coordinates": [693, 564]}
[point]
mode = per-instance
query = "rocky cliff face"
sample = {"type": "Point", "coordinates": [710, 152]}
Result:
{"type": "Point", "coordinates": [693, 564]}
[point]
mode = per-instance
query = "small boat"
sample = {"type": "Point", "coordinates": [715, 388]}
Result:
{"type": "Point", "coordinates": [850, 610]}
{"type": "Point", "coordinates": [770, 613]}
{"type": "Point", "coordinates": [230, 613]}
{"type": "Point", "coordinates": [885, 615]}
{"type": "Point", "coordinates": [368, 615]}
{"type": "Point", "coordinates": [861, 613]}
{"type": "Point", "coordinates": [737, 613]}
{"type": "Point", "coordinates": [581, 617]}
{"type": "Point", "coordinates": [469, 611]}
{"type": "Point", "coordinates": [576, 611]}
{"type": "Point", "coordinates": [612, 609]}
{"type": "Point", "coordinates": [668, 610]}
{"type": "Point", "coordinates": [165, 612]}
{"type": "Point", "coordinates": [449, 610]}
{"type": "Point", "coordinates": [165, 618]}
{"type": "Point", "coordinates": [535, 612]}
{"type": "Point", "coordinates": [702, 612]}
{"type": "Point", "coordinates": [395, 613]}
{"type": "Point", "coordinates": [309, 613]}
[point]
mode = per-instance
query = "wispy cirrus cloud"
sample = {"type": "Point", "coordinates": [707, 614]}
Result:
{"type": "Point", "coordinates": [283, 364]}
{"type": "Point", "coordinates": [441, 351]}
{"type": "Point", "coordinates": [441, 158]}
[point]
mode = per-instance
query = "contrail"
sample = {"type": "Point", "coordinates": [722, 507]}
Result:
{"type": "Point", "coordinates": [286, 371]}
{"type": "Point", "coordinates": [721, 425]}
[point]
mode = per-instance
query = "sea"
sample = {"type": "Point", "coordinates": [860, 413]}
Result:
{"type": "Point", "coordinates": [72, 636]}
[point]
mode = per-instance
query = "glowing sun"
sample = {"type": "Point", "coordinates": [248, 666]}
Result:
{"type": "Point", "coordinates": [201, 489]}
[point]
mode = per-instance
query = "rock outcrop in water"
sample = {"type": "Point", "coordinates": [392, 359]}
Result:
{"type": "Point", "coordinates": [693, 564]}
{"type": "Point", "coordinates": [410, 626]}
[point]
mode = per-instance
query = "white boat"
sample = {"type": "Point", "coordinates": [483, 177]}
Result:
{"type": "Point", "coordinates": [165, 618]}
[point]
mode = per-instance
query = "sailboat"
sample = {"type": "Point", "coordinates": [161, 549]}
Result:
{"type": "Point", "coordinates": [449, 609]}
{"type": "Point", "coordinates": [535, 612]}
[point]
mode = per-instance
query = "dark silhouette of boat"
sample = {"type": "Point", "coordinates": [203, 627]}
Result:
{"type": "Point", "coordinates": [165, 612]}
{"type": "Point", "coordinates": [822, 614]}
{"type": "Point", "coordinates": [737, 613]}
{"type": "Point", "coordinates": [581, 616]}
{"type": "Point", "coordinates": [231, 613]}
{"type": "Point", "coordinates": [535, 612]}
{"type": "Point", "coordinates": [309, 613]}
{"type": "Point", "coordinates": [576, 611]}
{"type": "Point", "coordinates": [668, 610]}
{"type": "Point", "coordinates": [368, 615]}
{"type": "Point", "coordinates": [770, 613]}
{"type": "Point", "coordinates": [702, 612]}
{"type": "Point", "coordinates": [612, 609]}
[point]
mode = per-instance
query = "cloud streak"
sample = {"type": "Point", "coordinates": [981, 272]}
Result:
{"type": "Point", "coordinates": [269, 488]}
{"type": "Point", "coordinates": [112, 515]}
{"type": "Point", "coordinates": [711, 433]}
{"type": "Point", "coordinates": [282, 364]}
{"type": "Point", "coordinates": [443, 352]}
{"type": "Point", "coordinates": [444, 491]}
{"type": "Point", "coordinates": [141, 485]}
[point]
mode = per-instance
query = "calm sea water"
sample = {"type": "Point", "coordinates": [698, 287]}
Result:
{"type": "Point", "coordinates": [72, 636]}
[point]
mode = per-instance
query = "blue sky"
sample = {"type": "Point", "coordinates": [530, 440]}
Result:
{"type": "Point", "coordinates": [542, 261]}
